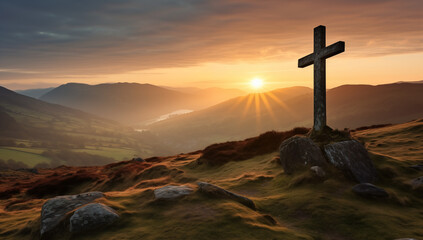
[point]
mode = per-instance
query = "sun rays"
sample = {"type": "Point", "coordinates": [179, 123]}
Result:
{"type": "Point", "coordinates": [267, 109]}
{"type": "Point", "coordinates": [259, 105]}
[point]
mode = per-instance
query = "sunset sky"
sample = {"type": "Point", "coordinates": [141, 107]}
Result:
{"type": "Point", "coordinates": [214, 43]}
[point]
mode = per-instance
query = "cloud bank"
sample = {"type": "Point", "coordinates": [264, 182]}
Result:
{"type": "Point", "coordinates": [51, 38]}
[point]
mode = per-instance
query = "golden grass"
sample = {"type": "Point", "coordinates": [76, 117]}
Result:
{"type": "Point", "coordinates": [294, 206]}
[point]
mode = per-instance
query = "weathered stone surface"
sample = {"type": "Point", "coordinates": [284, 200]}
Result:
{"type": "Point", "coordinates": [172, 192]}
{"type": "Point", "coordinates": [352, 158]}
{"type": "Point", "coordinates": [417, 167]}
{"type": "Point", "coordinates": [92, 216]}
{"type": "Point", "coordinates": [297, 152]}
{"type": "Point", "coordinates": [318, 171]}
{"type": "Point", "coordinates": [138, 159]}
{"type": "Point", "coordinates": [417, 183]}
{"type": "Point", "coordinates": [55, 209]}
{"type": "Point", "coordinates": [215, 191]}
{"type": "Point", "coordinates": [369, 190]}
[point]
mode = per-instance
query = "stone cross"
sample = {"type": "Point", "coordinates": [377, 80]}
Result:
{"type": "Point", "coordinates": [318, 58]}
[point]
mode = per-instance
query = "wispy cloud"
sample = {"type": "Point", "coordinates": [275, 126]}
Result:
{"type": "Point", "coordinates": [82, 37]}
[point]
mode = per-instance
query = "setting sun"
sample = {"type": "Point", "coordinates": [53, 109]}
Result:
{"type": "Point", "coordinates": [256, 83]}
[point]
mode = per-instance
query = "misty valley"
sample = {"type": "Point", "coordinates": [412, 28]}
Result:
{"type": "Point", "coordinates": [40, 133]}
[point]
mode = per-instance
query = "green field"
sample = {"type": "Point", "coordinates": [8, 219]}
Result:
{"type": "Point", "coordinates": [33, 156]}
{"type": "Point", "coordinates": [30, 157]}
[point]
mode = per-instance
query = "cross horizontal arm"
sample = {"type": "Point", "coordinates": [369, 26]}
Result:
{"type": "Point", "coordinates": [306, 61]}
{"type": "Point", "coordinates": [332, 50]}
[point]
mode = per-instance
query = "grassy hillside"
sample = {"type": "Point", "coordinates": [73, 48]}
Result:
{"type": "Point", "coordinates": [348, 106]}
{"type": "Point", "coordinates": [35, 132]}
{"type": "Point", "coordinates": [297, 206]}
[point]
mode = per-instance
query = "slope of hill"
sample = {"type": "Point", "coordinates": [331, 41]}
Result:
{"type": "Point", "coordinates": [402, 142]}
{"type": "Point", "coordinates": [296, 206]}
{"type": "Point", "coordinates": [132, 103]}
{"type": "Point", "coordinates": [36, 132]}
{"type": "Point", "coordinates": [348, 106]}
{"type": "Point", "coordinates": [35, 93]}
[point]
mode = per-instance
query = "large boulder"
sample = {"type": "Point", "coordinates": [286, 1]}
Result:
{"type": "Point", "coordinates": [298, 152]}
{"type": "Point", "coordinates": [352, 158]}
{"type": "Point", "coordinates": [172, 192]}
{"type": "Point", "coordinates": [92, 216]}
{"type": "Point", "coordinates": [369, 190]}
{"type": "Point", "coordinates": [215, 191]}
{"type": "Point", "coordinates": [54, 210]}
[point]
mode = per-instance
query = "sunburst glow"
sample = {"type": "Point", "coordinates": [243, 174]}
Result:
{"type": "Point", "coordinates": [256, 83]}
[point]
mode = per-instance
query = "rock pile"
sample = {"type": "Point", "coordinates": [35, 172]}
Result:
{"type": "Point", "coordinates": [86, 217]}
{"type": "Point", "coordinates": [349, 156]}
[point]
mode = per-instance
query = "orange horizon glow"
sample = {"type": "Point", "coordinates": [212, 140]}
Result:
{"type": "Point", "coordinates": [211, 44]}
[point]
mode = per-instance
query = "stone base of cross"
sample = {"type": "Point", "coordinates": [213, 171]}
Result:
{"type": "Point", "coordinates": [318, 58]}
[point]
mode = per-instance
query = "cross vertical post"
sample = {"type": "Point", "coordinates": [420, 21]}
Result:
{"type": "Point", "coordinates": [318, 58]}
{"type": "Point", "coordinates": [319, 84]}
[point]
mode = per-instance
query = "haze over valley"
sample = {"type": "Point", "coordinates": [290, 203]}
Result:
{"type": "Point", "coordinates": [147, 120]}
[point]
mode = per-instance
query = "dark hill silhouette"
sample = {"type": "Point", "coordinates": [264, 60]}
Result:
{"type": "Point", "coordinates": [8, 125]}
{"type": "Point", "coordinates": [10, 100]}
{"type": "Point", "coordinates": [37, 119]}
{"type": "Point", "coordinates": [349, 106]}
{"type": "Point", "coordinates": [129, 103]}
{"type": "Point", "coordinates": [54, 127]}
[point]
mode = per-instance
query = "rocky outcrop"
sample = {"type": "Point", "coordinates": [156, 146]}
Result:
{"type": "Point", "coordinates": [92, 216]}
{"type": "Point", "coordinates": [298, 152]}
{"type": "Point", "coordinates": [369, 190]}
{"type": "Point", "coordinates": [55, 209]}
{"type": "Point", "coordinates": [138, 159]}
{"type": "Point", "coordinates": [318, 171]}
{"type": "Point", "coordinates": [352, 158]}
{"type": "Point", "coordinates": [215, 191]}
{"type": "Point", "coordinates": [172, 192]}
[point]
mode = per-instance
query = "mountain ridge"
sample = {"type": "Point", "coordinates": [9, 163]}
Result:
{"type": "Point", "coordinates": [348, 106]}
{"type": "Point", "coordinates": [129, 103]}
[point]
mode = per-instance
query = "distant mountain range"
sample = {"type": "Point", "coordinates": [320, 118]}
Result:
{"type": "Point", "coordinates": [133, 103]}
{"type": "Point", "coordinates": [348, 106]}
{"type": "Point", "coordinates": [35, 93]}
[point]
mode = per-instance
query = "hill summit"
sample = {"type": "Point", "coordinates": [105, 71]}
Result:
{"type": "Point", "coordinates": [238, 196]}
